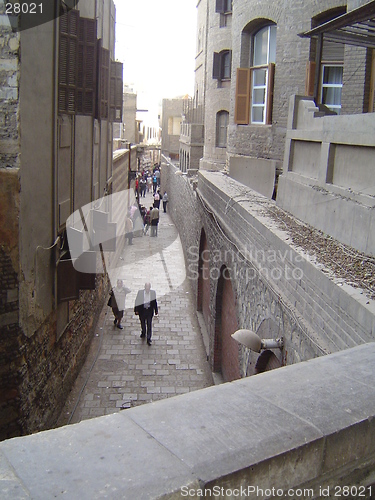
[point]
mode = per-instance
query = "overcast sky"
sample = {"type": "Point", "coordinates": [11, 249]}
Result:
{"type": "Point", "coordinates": [156, 41]}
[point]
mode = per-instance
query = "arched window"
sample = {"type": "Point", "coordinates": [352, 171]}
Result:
{"type": "Point", "coordinates": [222, 118]}
{"type": "Point", "coordinates": [264, 55]}
{"type": "Point", "coordinates": [222, 65]}
{"type": "Point", "coordinates": [254, 84]}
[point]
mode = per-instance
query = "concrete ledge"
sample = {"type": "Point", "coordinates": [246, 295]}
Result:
{"type": "Point", "coordinates": [305, 425]}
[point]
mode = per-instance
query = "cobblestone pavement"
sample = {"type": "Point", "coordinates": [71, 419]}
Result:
{"type": "Point", "coordinates": [121, 370]}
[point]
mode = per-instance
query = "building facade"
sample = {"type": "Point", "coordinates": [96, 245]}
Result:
{"type": "Point", "coordinates": [62, 91]}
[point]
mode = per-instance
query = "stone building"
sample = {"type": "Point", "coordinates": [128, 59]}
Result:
{"type": "Point", "coordinates": [61, 90]}
{"type": "Point", "coordinates": [171, 117]}
{"type": "Point", "coordinates": [265, 265]}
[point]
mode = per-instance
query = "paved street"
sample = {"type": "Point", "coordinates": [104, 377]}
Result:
{"type": "Point", "coordinates": [121, 370]}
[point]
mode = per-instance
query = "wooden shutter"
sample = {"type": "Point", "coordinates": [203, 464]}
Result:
{"type": "Point", "coordinates": [270, 85]}
{"type": "Point", "coordinates": [310, 78]}
{"type": "Point", "coordinates": [103, 82]}
{"type": "Point", "coordinates": [242, 102]}
{"type": "Point", "coordinates": [87, 60]}
{"type": "Point", "coordinates": [68, 53]}
{"type": "Point", "coordinates": [220, 6]}
{"type": "Point", "coordinates": [216, 68]}
{"type": "Point", "coordinates": [116, 92]}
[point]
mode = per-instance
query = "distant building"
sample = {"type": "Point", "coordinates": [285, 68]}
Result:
{"type": "Point", "coordinates": [172, 110]}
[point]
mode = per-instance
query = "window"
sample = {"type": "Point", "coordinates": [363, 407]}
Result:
{"type": "Point", "coordinates": [331, 73]}
{"type": "Point", "coordinates": [331, 87]}
{"type": "Point", "coordinates": [222, 129]}
{"type": "Point", "coordinates": [264, 54]}
{"type": "Point", "coordinates": [254, 85]}
{"type": "Point", "coordinates": [223, 6]}
{"type": "Point", "coordinates": [174, 125]}
{"type": "Point", "coordinates": [222, 65]}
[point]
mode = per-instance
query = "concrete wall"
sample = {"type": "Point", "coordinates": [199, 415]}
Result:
{"type": "Point", "coordinates": [328, 172]}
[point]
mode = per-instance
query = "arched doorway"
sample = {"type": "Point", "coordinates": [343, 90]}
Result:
{"type": "Point", "coordinates": [226, 359]}
{"type": "Point", "coordinates": [203, 302]}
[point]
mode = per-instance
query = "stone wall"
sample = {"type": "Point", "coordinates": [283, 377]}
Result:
{"type": "Point", "coordinates": [271, 278]}
{"type": "Point", "coordinates": [9, 98]}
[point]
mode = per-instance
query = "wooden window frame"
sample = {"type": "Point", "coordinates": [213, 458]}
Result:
{"type": "Point", "coordinates": [222, 6]}
{"type": "Point", "coordinates": [103, 74]}
{"type": "Point", "coordinates": [218, 66]}
{"type": "Point", "coordinates": [116, 92]}
{"type": "Point", "coordinates": [244, 91]}
{"type": "Point", "coordinates": [219, 127]}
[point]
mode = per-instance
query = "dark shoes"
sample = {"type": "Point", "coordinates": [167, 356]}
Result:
{"type": "Point", "coordinates": [143, 335]}
{"type": "Point", "coordinates": [120, 326]}
{"type": "Point", "coordinates": [149, 342]}
{"type": "Point", "coordinates": [115, 321]}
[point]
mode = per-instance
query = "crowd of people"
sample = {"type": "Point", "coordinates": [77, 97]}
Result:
{"type": "Point", "coordinates": [148, 181]}
{"type": "Point", "coordinates": [138, 216]}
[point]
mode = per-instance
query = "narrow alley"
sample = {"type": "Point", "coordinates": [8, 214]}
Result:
{"type": "Point", "coordinates": [121, 370]}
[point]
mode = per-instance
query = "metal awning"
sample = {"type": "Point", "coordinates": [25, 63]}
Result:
{"type": "Point", "coordinates": [356, 27]}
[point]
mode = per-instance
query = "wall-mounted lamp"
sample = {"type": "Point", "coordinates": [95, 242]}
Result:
{"type": "Point", "coordinates": [252, 341]}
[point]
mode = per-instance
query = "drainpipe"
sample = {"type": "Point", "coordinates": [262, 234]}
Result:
{"type": "Point", "coordinates": [55, 136]}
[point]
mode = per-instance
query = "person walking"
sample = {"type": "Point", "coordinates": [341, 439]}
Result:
{"type": "Point", "coordinates": [154, 218]}
{"type": "Point", "coordinates": [157, 199]}
{"type": "Point", "coordinates": [145, 307]}
{"type": "Point", "coordinates": [154, 184]}
{"type": "Point", "coordinates": [129, 229]}
{"type": "Point", "coordinates": [165, 201]}
{"type": "Point", "coordinates": [117, 302]}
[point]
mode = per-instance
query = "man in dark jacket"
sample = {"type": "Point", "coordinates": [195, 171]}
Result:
{"type": "Point", "coordinates": [145, 307]}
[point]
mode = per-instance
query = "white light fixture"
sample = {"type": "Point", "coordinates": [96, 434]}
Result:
{"type": "Point", "coordinates": [252, 341]}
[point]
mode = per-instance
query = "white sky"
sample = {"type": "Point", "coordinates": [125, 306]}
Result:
{"type": "Point", "coordinates": [156, 41]}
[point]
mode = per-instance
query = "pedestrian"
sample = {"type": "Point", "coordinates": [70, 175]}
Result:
{"type": "Point", "coordinates": [149, 183]}
{"type": "Point", "coordinates": [165, 201]}
{"type": "Point", "coordinates": [117, 302]}
{"type": "Point", "coordinates": [154, 184]}
{"type": "Point", "coordinates": [129, 229]}
{"type": "Point", "coordinates": [157, 199]}
{"type": "Point", "coordinates": [157, 175]}
{"type": "Point", "coordinates": [143, 187]}
{"type": "Point", "coordinates": [145, 307]}
{"type": "Point", "coordinates": [154, 218]}
{"type": "Point", "coordinates": [147, 220]}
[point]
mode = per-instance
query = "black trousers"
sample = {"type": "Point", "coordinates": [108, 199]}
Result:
{"type": "Point", "coordinates": [146, 325]}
